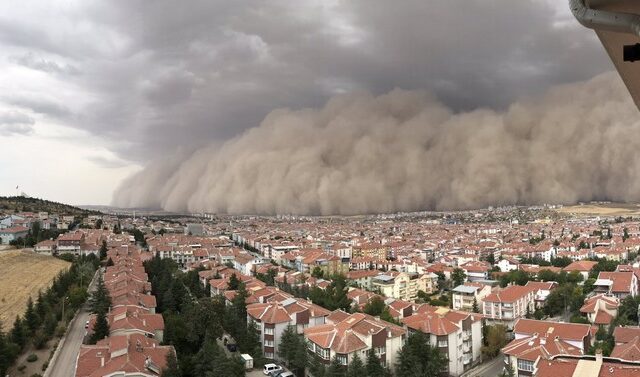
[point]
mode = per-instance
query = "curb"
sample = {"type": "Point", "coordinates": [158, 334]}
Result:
{"type": "Point", "coordinates": [54, 358]}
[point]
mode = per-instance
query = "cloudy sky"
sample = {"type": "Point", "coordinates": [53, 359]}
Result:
{"type": "Point", "coordinates": [93, 91]}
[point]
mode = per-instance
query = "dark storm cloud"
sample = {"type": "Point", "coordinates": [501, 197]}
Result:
{"type": "Point", "coordinates": [171, 75]}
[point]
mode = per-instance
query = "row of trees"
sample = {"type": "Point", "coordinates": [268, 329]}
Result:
{"type": "Point", "coordinates": [48, 315]}
{"type": "Point", "coordinates": [193, 322]}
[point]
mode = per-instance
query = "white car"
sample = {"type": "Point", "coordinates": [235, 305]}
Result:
{"type": "Point", "coordinates": [270, 368]}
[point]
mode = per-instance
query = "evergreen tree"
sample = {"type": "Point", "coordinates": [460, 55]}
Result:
{"type": "Point", "coordinates": [100, 299]}
{"type": "Point", "coordinates": [316, 368]}
{"type": "Point", "coordinates": [356, 368]}
{"type": "Point", "coordinates": [287, 346]}
{"type": "Point", "coordinates": [476, 308]}
{"type": "Point", "coordinates": [103, 250]}
{"type": "Point", "coordinates": [234, 283]}
{"type": "Point", "coordinates": [418, 358]}
{"type": "Point", "coordinates": [336, 369]}
{"type": "Point", "coordinates": [375, 306]}
{"type": "Point", "coordinates": [101, 327]}
{"type": "Point", "coordinates": [18, 335]}
{"type": "Point", "coordinates": [31, 317]}
{"type": "Point", "coordinates": [4, 354]}
{"type": "Point", "coordinates": [172, 369]}
{"type": "Point", "coordinates": [374, 367]}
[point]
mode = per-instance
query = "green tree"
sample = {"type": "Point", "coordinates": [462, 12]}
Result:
{"type": "Point", "coordinates": [100, 328]}
{"type": "Point", "coordinates": [458, 277]}
{"type": "Point", "coordinates": [419, 358]}
{"type": "Point", "coordinates": [18, 333]}
{"type": "Point", "coordinates": [475, 308]}
{"type": "Point", "coordinates": [336, 369]}
{"type": "Point", "coordinates": [100, 299]}
{"type": "Point", "coordinates": [495, 339]}
{"type": "Point", "coordinates": [375, 306]}
{"type": "Point", "coordinates": [31, 317]}
{"type": "Point", "coordinates": [103, 250]}
{"type": "Point", "coordinates": [374, 367]}
{"type": "Point", "coordinates": [317, 272]}
{"type": "Point", "coordinates": [233, 283]}
{"type": "Point", "coordinates": [357, 367]}
{"type": "Point", "coordinates": [172, 369]}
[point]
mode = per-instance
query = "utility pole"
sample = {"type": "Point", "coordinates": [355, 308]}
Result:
{"type": "Point", "coordinates": [64, 299]}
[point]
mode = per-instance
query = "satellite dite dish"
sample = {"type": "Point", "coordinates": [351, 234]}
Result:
{"type": "Point", "coordinates": [617, 24]}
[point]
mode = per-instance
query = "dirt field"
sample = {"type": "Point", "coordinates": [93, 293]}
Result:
{"type": "Point", "coordinates": [23, 274]}
{"type": "Point", "coordinates": [607, 209]}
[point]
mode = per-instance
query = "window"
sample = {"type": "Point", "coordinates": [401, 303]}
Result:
{"type": "Point", "coordinates": [442, 343]}
{"type": "Point", "coordinates": [268, 355]}
{"type": "Point", "coordinates": [311, 347]}
{"type": "Point", "coordinates": [268, 343]}
{"type": "Point", "coordinates": [380, 350]}
{"type": "Point", "coordinates": [268, 330]}
{"type": "Point", "coordinates": [342, 359]}
{"type": "Point", "coordinates": [323, 352]}
{"type": "Point", "coordinates": [525, 365]}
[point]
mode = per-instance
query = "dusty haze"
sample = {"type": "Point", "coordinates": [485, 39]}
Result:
{"type": "Point", "coordinates": [406, 151]}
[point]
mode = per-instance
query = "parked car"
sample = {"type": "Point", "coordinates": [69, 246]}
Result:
{"type": "Point", "coordinates": [86, 325]}
{"type": "Point", "coordinates": [283, 374]}
{"type": "Point", "coordinates": [270, 368]}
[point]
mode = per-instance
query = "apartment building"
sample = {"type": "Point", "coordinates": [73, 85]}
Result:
{"type": "Point", "coordinates": [465, 295]}
{"type": "Point", "coordinates": [401, 285]}
{"type": "Point", "coordinates": [509, 304]}
{"type": "Point", "coordinates": [457, 334]}
{"type": "Point", "coordinates": [345, 335]}
{"type": "Point", "coordinates": [536, 340]}
{"type": "Point", "coordinates": [272, 318]}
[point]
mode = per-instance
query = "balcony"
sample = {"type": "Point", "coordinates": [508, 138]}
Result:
{"type": "Point", "coordinates": [466, 335]}
{"type": "Point", "coordinates": [466, 359]}
{"type": "Point", "coordinates": [466, 348]}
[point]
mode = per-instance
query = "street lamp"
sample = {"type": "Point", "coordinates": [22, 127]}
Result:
{"type": "Point", "coordinates": [63, 301]}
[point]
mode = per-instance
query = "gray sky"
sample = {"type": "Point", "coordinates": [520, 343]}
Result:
{"type": "Point", "coordinates": [92, 91]}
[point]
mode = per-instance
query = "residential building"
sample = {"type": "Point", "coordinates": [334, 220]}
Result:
{"type": "Point", "coordinates": [345, 335]}
{"type": "Point", "coordinates": [509, 304]}
{"type": "Point", "coordinates": [457, 334]}
{"type": "Point", "coordinates": [468, 294]}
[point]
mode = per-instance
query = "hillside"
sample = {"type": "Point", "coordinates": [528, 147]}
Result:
{"type": "Point", "coordinates": [25, 204]}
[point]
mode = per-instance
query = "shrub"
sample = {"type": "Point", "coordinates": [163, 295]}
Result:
{"type": "Point", "coordinates": [45, 365]}
{"type": "Point", "coordinates": [21, 368]}
{"type": "Point", "coordinates": [31, 358]}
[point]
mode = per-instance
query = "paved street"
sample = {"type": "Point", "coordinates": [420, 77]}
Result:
{"type": "Point", "coordinates": [492, 368]}
{"type": "Point", "coordinates": [65, 364]}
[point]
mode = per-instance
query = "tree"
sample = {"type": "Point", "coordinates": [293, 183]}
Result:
{"type": "Point", "coordinates": [375, 306]}
{"type": "Point", "coordinates": [336, 369]}
{"type": "Point", "coordinates": [475, 308]}
{"type": "Point", "coordinates": [458, 277]}
{"type": "Point", "coordinates": [18, 334]}
{"type": "Point", "coordinates": [103, 250]}
{"type": "Point", "coordinates": [101, 327]}
{"type": "Point", "coordinates": [31, 317]}
{"type": "Point", "coordinates": [233, 283]}
{"type": "Point", "coordinates": [374, 367]}
{"type": "Point", "coordinates": [172, 369]}
{"type": "Point", "coordinates": [100, 299]}
{"type": "Point", "coordinates": [495, 339]}
{"type": "Point", "coordinates": [317, 272]}
{"type": "Point", "coordinates": [419, 358]}
{"type": "Point", "coordinates": [293, 350]}
{"type": "Point", "coordinates": [357, 367]}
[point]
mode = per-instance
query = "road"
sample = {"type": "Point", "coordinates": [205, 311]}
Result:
{"type": "Point", "coordinates": [65, 364]}
{"type": "Point", "coordinates": [491, 368]}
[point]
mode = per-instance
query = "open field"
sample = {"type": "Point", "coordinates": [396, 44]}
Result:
{"type": "Point", "coordinates": [23, 274]}
{"type": "Point", "coordinates": [606, 209]}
